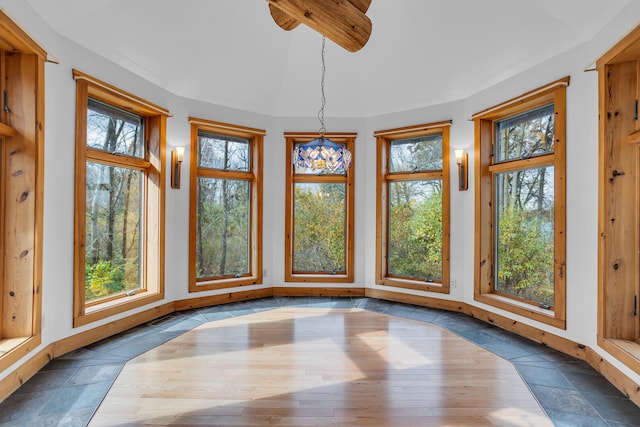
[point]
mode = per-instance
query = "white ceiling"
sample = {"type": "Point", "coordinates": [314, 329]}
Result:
{"type": "Point", "coordinates": [421, 52]}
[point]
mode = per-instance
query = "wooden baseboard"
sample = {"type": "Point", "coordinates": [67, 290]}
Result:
{"type": "Point", "coordinates": [626, 385]}
{"type": "Point", "coordinates": [15, 349]}
{"type": "Point", "coordinates": [622, 382]}
{"type": "Point", "coordinates": [556, 342]}
{"type": "Point", "coordinates": [82, 339]}
{"type": "Point", "coordinates": [318, 292]}
{"type": "Point", "coordinates": [416, 300]}
{"type": "Point", "coordinates": [22, 373]}
{"type": "Point", "coordinates": [32, 365]}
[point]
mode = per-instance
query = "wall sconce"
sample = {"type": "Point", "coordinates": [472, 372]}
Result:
{"type": "Point", "coordinates": [176, 162]}
{"type": "Point", "coordinates": [462, 159]}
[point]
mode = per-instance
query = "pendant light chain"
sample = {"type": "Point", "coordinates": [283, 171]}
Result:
{"type": "Point", "coordinates": [323, 99]}
{"type": "Point", "coordinates": [322, 154]}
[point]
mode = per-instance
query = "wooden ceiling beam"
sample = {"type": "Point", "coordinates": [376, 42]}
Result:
{"type": "Point", "coordinates": [283, 20]}
{"type": "Point", "coordinates": [341, 21]}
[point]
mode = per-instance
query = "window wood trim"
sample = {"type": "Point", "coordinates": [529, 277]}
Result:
{"type": "Point", "coordinates": [484, 216]}
{"type": "Point", "coordinates": [348, 139]}
{"type": "Point", "coordinates": [383, 138]}
{"type": "Point", "coordinates": [21, 191]}
{"type": "Point", "coordinates": [618, 201]}
{"type": "Point", "coordinates": [152, 245]}
{"type": "Point", "coordinates": [256, 138]}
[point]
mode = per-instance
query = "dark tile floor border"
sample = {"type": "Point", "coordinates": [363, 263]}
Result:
{"type": "Point", "coordinates": [69, 389]}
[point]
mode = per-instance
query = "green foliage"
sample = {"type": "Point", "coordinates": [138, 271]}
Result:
{"type": "Point", "coordinates": [525, 254]}
{"type": "Point", "coordinates": [101, 279]}
{"type": "Point", "coordinates": [319, 230]}
{"type": "Point", "coordinates": [415, 237]}
{"type": "Point", "coordinates": [222, 247]}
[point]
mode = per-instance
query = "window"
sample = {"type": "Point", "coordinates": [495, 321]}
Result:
{"type": "Point", "coordinates": [21, 191]}
{"type": "Point", "coordinates": [520, 205]}
{"type": "Point", "coordinates": [226, 205]}
{"type": "Point", "coordinates": [412, 244]}
{"type": "Point", "coordinates": [619, 201]}
{"type": "Point", "coordinates": [319, 217]}
{"type": "Point", "coordinates": [119, 242]}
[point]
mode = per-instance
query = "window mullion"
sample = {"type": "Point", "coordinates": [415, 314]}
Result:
{"type": "Point", "coordinates": [532, 162]}
{"type": "Point", "coordinates": [113, 159]}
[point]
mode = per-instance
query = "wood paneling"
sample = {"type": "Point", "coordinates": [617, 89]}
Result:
{"type": "Point", "coordinates": [618, 233]}
{"type": "Point", "coordinates": [21, 191]}
{"type": "Point", "coordinates": [619, 200]}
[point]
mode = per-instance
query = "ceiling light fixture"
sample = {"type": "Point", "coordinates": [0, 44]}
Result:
{"type": "Point", "coordinates": [322, 153]}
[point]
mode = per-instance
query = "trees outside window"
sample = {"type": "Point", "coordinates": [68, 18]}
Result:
{"type": "Point", "coordinates": [226, 200]}
{"type": "Point", "coordinates": [113, 209]}
{"type": "Point", "coordinates": [119, 241]}
{"type": "Point", "coordinates": [520, 204]}
{"type": "Point", "coordinates": [413, 207]}
{"type": "Point", "coordinates": [319, 220]}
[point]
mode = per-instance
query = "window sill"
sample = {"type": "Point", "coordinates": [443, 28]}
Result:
{"type": "Point", "coordinates": [13, 349]}
{"type": "Point", "coordinates": [209, 285]}
{"type": "Point", "coordinates": [110, 308]}
{"type": "Point", "coordinates": [414, 284]}
{"type": "Point", "coordinates": [523, 309]}
{"type": "Point", "coordinates": [628, 352]}
{"type": "Point", "coordinates": [319, 278]}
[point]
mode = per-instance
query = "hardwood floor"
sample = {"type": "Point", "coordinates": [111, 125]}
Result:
{"type": "Point", "coordinates": [319, 367]}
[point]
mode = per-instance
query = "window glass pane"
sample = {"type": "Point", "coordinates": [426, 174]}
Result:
{"type": "Point", "coordinates": [319, 228]}
{"type": "Point", "coordinates": [222, 227]}
{"type": "Point", "coordinates": [524, 233]}
{"type": "Point", "coordinates": [113, 212]}
{"type": "Point", "coordinates": [415, 229]}
{"type": "Point", "coordinates": [525, 135]}
{"type": "Point", "coordinates": [416, 154]}
{"type": "Point", "coordinates": [303, 170]}
{"type": "Point", "coordinates": [113, 130]}
{"type": "Point", "coordinates": [223, 152]}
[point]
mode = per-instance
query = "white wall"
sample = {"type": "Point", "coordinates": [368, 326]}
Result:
{"type": "Point", "coordinates": [582, 166]}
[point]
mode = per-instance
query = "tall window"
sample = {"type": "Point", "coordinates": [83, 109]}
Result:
{"type": "Point", "coordinates": [319, 219]}
{"type": "Point", "coordinates": [520, 204]}
{"type": "Point", "coordinates": [226, 205]}
{"type": "Point", "coordinates": [413, 207]}
{"type": "Point", "coordinates": [21, 191]}
{"type": "Point", "coordinates": [119, 201]}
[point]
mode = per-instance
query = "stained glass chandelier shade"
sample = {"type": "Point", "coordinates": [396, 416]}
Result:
{"type": "Point", "coordinates": [322, 154]}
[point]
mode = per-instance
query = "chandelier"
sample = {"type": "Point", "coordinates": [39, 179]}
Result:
{"type": "Point", "coordinates": [322, 154]}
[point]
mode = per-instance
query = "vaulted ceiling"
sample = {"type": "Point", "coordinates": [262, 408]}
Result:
{"type": "Point", "coordinates": [420, 53]}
